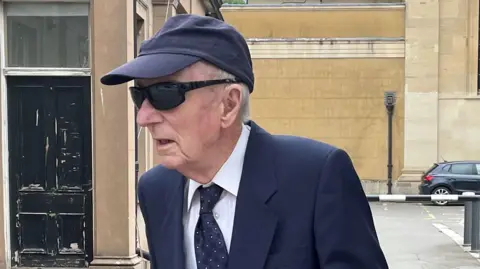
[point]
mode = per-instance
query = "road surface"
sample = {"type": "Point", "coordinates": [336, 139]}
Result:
{"type": "Point", "coordinates": [416, 236]}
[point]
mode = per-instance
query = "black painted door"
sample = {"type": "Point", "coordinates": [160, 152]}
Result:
{"type": "Point", "coordinates": [50, 171]}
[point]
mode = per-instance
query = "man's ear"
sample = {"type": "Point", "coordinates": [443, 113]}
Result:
{"type": "Point", "coordinates": [232, 101]}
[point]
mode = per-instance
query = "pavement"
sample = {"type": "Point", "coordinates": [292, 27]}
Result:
{"type": "Point", "coordinates": [416, 236]}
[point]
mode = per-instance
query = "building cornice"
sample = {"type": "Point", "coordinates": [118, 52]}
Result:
{"type": "Point", "coordinates": [309, 7]}
{"type": "Point", "coordinates": [309, 48]}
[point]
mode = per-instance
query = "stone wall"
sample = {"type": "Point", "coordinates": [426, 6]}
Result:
{"type": "Point", "coordinates": [441, 111]}
{"type": "Point", "coordinates": [323, 77]}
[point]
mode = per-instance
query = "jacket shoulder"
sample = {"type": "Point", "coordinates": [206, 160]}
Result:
{"type": "Point", "coordinates": [305, 149]}
{"type": "Point", "coordinates": [304, 159]}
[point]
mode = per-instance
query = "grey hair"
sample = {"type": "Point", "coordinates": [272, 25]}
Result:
{"type": "Point", "coordinates": [245, 105]}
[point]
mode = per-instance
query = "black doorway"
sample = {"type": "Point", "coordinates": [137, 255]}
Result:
{"type": "Point", "coordinates": [49, 124]}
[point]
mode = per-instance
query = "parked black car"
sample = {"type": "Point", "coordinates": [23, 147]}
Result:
{"type": "Point", "coordinates": [451, 178]}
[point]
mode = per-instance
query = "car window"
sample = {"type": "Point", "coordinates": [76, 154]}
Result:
{"type": "Point", "coordinates": [478, 168]}
{"type": "Point", "coordinates": [446, 168]}
{"type": "Point", "coordinates": [434, 166]}
{"type": "Point", "coordinates": [462, 169]}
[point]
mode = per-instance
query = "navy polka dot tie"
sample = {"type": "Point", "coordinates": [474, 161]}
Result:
{"type": "Point", "coordinates": [210, 249]}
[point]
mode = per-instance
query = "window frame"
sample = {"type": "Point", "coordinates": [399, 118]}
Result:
{"type": "Point", "coordinates": [42, 71]}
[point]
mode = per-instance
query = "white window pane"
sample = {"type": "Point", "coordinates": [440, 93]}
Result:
{"type": "Point", "coordinates": [47, 34]}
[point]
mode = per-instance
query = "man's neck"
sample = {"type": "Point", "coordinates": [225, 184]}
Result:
{"type": "Point", "coordinates": [204, 171]}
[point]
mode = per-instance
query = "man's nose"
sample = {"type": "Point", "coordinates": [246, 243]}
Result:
{"type": "Point", "coordinates": [147, 114]}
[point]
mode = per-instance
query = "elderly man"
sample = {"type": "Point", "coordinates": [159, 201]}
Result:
{"type": "Point", "coordinates": [227, 194]}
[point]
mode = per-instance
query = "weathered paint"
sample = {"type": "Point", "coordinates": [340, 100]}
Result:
{"type": "Point", "coordinates": [50, 171]}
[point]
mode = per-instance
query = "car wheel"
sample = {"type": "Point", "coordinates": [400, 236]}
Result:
{"type": "Point", "coordinates": [441, 191]}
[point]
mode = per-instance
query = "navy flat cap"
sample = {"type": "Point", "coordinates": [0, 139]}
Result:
{"type": "Point", "coordinates": [184, 40]}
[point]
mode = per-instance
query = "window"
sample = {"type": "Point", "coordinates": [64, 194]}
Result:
{"type": "Point", "coordinates": [478, 168]}
{"type": "Point", "coordinates": [462, 169]}
{"type": "Point", "coordinates": [434, 166]}
{"type": "Point", "coordinates": [47, 35]}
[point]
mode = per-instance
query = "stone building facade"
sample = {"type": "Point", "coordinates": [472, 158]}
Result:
{"type": "Point", "coordinates": [322, 70]}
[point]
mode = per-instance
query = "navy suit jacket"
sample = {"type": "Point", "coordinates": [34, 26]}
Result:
{"type": "Point", "coordinates": [300, 205]}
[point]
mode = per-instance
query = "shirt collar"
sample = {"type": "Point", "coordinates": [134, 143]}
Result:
{"type": "Point", "coordinates": [229, 175]}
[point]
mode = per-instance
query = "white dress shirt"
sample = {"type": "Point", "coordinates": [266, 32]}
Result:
{"type": "Point", "coordinates": [228, 177]}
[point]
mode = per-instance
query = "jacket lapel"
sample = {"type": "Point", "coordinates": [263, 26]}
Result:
{"type": "Point", "coordinates": [171, 250]}
{"type": "Point", "coordinates": [254, 223]}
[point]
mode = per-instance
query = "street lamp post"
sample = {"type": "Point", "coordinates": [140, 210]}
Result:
{"type": "Point", "coordinates": [389, 100]}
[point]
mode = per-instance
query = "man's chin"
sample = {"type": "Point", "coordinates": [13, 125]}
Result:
{"type": "Point", "coordinates": [170, 162]}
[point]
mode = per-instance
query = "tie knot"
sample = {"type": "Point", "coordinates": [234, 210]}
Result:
{"type": "Point", "coordinates": [209, 196]}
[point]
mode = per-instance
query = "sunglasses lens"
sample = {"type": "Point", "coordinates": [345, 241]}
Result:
{"type": "Point", "coordinates": [165, 98]}
{"type": "Point", "coordinates": [138, 97]}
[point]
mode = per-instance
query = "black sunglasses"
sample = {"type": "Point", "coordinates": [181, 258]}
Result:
{"type": "Point", "coordinates": [168, 95]}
